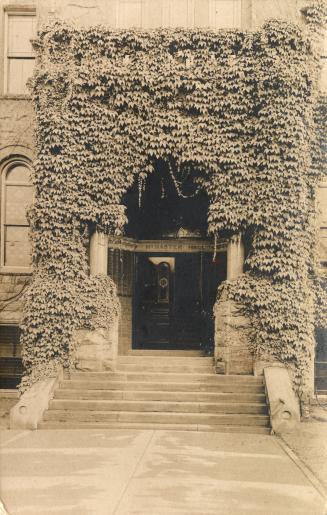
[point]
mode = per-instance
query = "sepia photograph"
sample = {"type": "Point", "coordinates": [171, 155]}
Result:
{"type": "Point", "coordinates": [163, 257]}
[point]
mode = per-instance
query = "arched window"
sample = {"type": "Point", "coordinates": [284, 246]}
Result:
{"type": "Point", "coordinates": [16, 197]}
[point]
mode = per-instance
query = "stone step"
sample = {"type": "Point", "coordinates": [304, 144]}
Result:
{"type": "Point", "coordinates": [161, 406]}
{"type": "Point", "coordinates": [156, 426]}
{"type": "Point", "coordinates": [222, 387]}
{"type": "Point", "coordinates": [165, 353]}
{"type": "Point", "coordinates": [158, 396]}
{"type": "Point", "coordinates": [166, 360]}
{"type": "Point", "coordinates": [164, 368]}
{"type": "Point", "coordinates": [155, 417]}
{"type": "Point", "coordinates": [166, 377]}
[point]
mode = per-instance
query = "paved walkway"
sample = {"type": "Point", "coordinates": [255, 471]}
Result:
{"type": "Point", "coordinates": [309, 442]}
{"type": "Point", "coordinates": [126, 472]}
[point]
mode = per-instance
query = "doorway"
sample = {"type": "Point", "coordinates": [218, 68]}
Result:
{"type": "Point", "coordinates": [173, 300]}
{"type": "Point", "coordinates": [175, 280]}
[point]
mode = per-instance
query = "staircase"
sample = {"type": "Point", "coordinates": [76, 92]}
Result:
{"type": "Point", "coordinates": [160, 392]}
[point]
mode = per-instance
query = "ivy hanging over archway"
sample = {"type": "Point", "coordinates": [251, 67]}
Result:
{"type": "Point", "coordinates": [239, 108]}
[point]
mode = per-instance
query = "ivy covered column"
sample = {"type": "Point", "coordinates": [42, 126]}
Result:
{"type": "Point", "coordinates": [232, 353]}
{"type": "Point", "coordinates": [97, 347]}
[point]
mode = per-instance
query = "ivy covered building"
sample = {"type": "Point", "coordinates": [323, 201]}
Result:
{"type": "Point", "coordinates": [171, 156]}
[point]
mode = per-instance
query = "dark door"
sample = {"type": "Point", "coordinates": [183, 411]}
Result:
{"type": "Point", "coordinates": [186, 307]}
{"type": "Point", "coordinates": [153, 301]}
{"type": "Point", "coordinates": [173, 300]}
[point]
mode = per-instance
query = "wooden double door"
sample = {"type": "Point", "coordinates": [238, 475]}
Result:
{"type": "Point", "coordinates": [173, 300]}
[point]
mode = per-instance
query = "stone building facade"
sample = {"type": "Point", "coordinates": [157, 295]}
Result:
{"type": "Point", "coordinates": [119, 257]}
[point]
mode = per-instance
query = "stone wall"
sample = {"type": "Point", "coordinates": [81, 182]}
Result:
{"type": "Point", "coordinates": [10, 299]}
{"type": "Point", "coordinates": [16, 139]}
{"type": "Point", "coordinates": [16, 125]}
{"type": "Point", "coordinates": [146, 13]}
{"type": "Point", "coordinates": [166, 13]}
{"type": "Point", "coordinates": [262, 10]}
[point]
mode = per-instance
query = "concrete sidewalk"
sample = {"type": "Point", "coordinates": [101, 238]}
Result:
{"type": "Point", "coordinates": [125, 472]}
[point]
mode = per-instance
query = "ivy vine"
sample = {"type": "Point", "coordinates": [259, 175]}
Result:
{"type": "Point", "coordinates": [242, 109]}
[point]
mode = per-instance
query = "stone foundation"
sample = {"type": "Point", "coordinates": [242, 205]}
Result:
{"type": "Point", "coordinates": [232, 353]}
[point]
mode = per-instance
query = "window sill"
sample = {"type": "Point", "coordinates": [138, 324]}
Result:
{"type": "Point", "coordinates": [19, 270]}
{"type": "Point", "coordinates": [20, 8]}
{"type": "Point", "coordinates": [16, 96]}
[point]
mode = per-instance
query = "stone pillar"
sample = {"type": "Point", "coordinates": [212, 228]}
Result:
{"type": "Point", "coordinates": [235, 257]}
{"type": "Point", "coordinates": [96, 350]}
{"type": "Point", "coordinates": [98, 253]}
{"type": "Point", "coordinates": [232, 354]}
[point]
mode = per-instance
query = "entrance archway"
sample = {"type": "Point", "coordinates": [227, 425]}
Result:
{"type": "Point", "coordinates": [164, 266]}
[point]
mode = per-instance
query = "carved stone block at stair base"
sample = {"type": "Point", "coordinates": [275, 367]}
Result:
{"type": "Point", "coordinates": [96, 350]}
{"type": "Point", "coordinates": [284, 406]}
{"type": "Point", "coordinates": [232, 352]}
{"type": "Point", "coordinates": [28, 411]}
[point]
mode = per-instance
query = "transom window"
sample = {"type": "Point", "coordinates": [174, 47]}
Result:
{"type": "Point", "coordinates": [20, 28]}
{"type": "Point", "coordinates": [16, 197]}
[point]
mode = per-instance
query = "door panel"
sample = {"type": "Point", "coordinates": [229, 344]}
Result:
{"type": "Point", "coordinates": [186, 304]}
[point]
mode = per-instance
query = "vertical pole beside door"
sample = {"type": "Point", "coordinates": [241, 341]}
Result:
{"type": "Point", "coordinates": [135, 302]}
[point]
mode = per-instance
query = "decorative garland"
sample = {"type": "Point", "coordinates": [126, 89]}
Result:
{"type": "Point", "coordinates": [237, 107]}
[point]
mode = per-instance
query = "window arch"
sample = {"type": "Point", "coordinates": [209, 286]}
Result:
{"type": "Point", "coordinates": [16, 197]}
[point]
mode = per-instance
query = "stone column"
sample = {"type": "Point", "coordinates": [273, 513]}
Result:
{"type": "Point", "coordinates": [235, 257]}
{"type": "Point", "coordinates": [96, 349]}
{"type": "Point", "coordinates": [232, 355]}
{"type": "Point", "coordinates": [98, 253]}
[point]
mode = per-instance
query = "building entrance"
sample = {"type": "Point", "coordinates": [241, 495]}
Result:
{"type": "Point", "coordinates": [173, 302]}
{"type": "Point", "coordinates": [175, 280]}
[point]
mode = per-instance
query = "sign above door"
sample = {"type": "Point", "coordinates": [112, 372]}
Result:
{"type": "Point", "coordinates": [183, 245]}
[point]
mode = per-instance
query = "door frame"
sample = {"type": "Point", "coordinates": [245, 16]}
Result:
{"type": "Point", "coordinates": [135, 343]}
